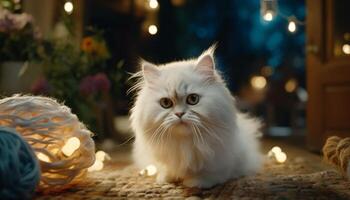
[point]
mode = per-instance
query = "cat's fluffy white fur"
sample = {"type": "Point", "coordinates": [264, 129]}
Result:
{"type": "Point", "coordinates": [211, 143]}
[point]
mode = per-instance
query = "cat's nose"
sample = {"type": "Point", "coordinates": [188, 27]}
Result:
{"type": "Point", "coordinates": [179, 114]}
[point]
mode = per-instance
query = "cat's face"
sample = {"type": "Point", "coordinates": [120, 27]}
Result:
{"type": "Point", "coordinates": [183, 98]}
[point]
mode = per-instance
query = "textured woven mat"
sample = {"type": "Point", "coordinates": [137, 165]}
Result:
{"type": "Point", "coordinates": [292, 180]}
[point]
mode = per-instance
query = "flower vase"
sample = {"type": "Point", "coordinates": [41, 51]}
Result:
{"type": "Point", "coordinates": [17, 77]}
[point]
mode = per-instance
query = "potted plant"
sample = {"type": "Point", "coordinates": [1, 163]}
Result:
{"type": "Point", "coordinates": [82, 77]}
{"type": "Point", "coordinates": [19, 42]}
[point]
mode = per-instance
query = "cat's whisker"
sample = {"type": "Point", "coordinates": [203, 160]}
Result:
{"type": "Point", "coordinates": [158, 134]}
{"type": "Point", "coordinates": [168, 135]}
{"type": "Point", "coordinates": [165, 129]}
{"type": "Point", "coordinates": [216, 124]}
{"type": "Point", "coordinates": [195, 128]}
{"type": "Point", "coordinates": [155, 133]}
{"type": "Point", "coordinates": [207, 130]}
{"type": "Point", "coordinates": [193, 119]}
{"type": "Point", "coordinates": [195, 138]}
{"type": "Point", "coordinates": [200, 135]}
{"type": "Point", "coordinates": [161, 133]}
{"type": "Point", "coordinates": [203, 147]}
{"type": "Point", "coordinates": [211, 133]}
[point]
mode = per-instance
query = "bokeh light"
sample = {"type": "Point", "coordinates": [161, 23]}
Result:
{"type": "Point", "coordinates": [68, 7]}
{"type": "Point", "coordinates": [268, 16]}
{"type": "Point", "coordinates": [346, 49]}
{"type": "Point", "coordinates": [291, 85]}
{"type": "Point", "coordinates": [152, 29]}
{"type": "Point", "coordinates": [258, 82]}
{"type": "Point", "coordinates": [292, 27]}
{"type": "Point", "coordinates": [153, 4]}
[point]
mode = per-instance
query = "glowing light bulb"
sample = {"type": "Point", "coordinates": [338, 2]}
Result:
{"type": "Point", "coordinates": [71, 145]}
{"type": "Point", "coordinates": [153, 4]}
{"type": "Point", "coordinates": [152, 29]}
{"type": "Point", "coordinates": [276, 149]}
{"type": "Point", "coordinates": [281, 157]}
{"type": "Point", "coordinates": [292, 27]}
{"type": "Point", "coordinates": [43, 157]}
{"type": "Point", "coordinates": [151, 170]}
{"type": "Point", "coordinates": [346, 49]}
{"type": "Point", "coordinates": [258, 82]}
{"type": "Point", "coordinates": [268, 16]}
{"type": "Point", "coordinates": [68, 7]}
{"type": "Point", "coordinates": [291, 85]}
{"type": "Point", "coordinates": [97, 166]}
{"type": "Point", "coordinates": [142, 172]}
{"type": "Point", "coordinates": [102, 156]}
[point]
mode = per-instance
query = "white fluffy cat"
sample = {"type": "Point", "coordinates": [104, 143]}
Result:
{"type": "Point", "coordinates": [187, 125]}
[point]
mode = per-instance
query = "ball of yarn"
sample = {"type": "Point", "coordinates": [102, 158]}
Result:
{"type": "Point", "coordinates": [337, 152]}
{"type": "Point", "coordinates": [48, 126]}
{"type": "Point", "coordinates": [19, 167]}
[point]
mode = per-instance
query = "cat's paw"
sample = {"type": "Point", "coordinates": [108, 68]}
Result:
{"type": "Point", "coordinates": [198, 182]}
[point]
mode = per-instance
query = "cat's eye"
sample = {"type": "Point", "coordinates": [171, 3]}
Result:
{"type": "Point", "coordinates": [166, 102]}
{"type": "Point", "coordinates": [192, 99]}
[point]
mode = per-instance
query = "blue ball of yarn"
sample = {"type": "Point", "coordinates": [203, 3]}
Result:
{"type": "Point", "coordinates": [19, 167]}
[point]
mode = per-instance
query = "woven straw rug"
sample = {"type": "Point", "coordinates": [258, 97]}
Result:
{"type": "Point", "coordinates": [295, 179]}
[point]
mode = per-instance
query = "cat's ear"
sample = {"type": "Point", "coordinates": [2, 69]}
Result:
{"type": "Point", "coordinates": [205, 63]}
{"type": "Point", "coordinates": [150, 71]}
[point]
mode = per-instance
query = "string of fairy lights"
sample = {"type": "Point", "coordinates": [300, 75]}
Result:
{"type": "Point", "coordinates": [269, 10]}
{"type": "Point", "coordinates": [149, 26]}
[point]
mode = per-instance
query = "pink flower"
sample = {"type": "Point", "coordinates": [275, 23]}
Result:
{"type": "Point", "coordinates": [87, 86]}
{"type": "Point", "coordinates": [6, 21]}
{"type": "Point", "coordinates": [13, 22]}
{"type": "Point", "coordinates": [40, 86]}
{"type": "Point", "coordinates": [90, 85]}
{"type": "Point", "coordinates": [102, 82]}
{"type": "Point", "coordinates": [21, 20]}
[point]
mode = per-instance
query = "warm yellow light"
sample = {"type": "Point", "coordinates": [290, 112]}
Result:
{"type": "Point", "coordinates": [55, 150]}
{"type": "Point", "coordinates": [291, 85]}
{"type": "Point", "coordinates": [43, 157]}
{"type": "Point", "coordinates": [346, 49]}
{"type": "Point", "coordinates": [276, 149]}
{"type": "Point", "coordinates": [277, 154]}
{"type": "Point", "coordinates": [281, 157]}
{"type": "Point", "coordinates": [151, 170]}
{"type": "Point", "coordinates": [152, 29]}
{"type": "Point", "coordinates": [268, 16]}
{"type": "Point", "coordinates": [68, 7]}
{"type": "Point", "coordinates": [97, 166]}
{"type": "Point", "coordinates": [142, 172]}
{"type": "Point", "coordinates": [153, 4]}
{"type": "Point", "coordinates": [292, 27]}
{"type": "Point", "coordinates": [71, 145]}
{"type": "Point", "coordinates": [258, 82]}
{"type": "Point", "coordinates": [102, 156]}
